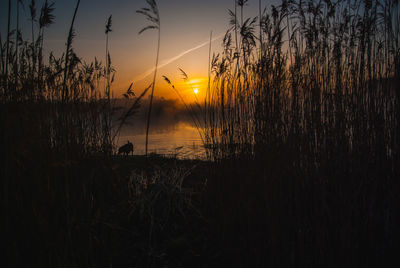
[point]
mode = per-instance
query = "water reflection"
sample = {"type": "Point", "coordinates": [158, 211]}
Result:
{"type": "Point", "coordinates": [181, 140]}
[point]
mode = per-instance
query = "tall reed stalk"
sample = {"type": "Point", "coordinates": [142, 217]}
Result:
{"type": "Point", "coordinates": [68, 51]}
{"type": "Point", "coordinates": [17, 39]}
{"type": "Point", "coordinates": [107, 119]}
{"type": "Point", "coordinates": [7, 45]}
{"type": "Point", "coordinates": [153, 16]}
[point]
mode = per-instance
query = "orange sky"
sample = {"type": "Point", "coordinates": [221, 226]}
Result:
{"type": "Point", "coordinates": [185, 33]}
{"type": "Point", "coordinates": [190, 56]}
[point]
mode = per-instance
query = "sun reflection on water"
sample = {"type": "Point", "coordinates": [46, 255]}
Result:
{"type": "Point", "coordinates": [182, 141]}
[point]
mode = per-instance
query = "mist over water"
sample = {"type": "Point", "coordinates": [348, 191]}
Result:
{"type": "Point", "coordinates": [182, 140]}
{"type": "Point", "coordinates": [172, 132]}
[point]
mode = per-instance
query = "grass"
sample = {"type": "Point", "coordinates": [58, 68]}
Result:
{"type": "Point", "coordinates": [300, 122]}
{"type": "Point", "coordinates": [153, 16]}
{"type": "Point", "coordinates": [106, 216]}
{"type": "Point", "coordinates": [304, 123]}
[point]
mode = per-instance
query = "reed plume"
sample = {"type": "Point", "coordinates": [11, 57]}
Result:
{"type": "Point", "coordinates": [152, 15]}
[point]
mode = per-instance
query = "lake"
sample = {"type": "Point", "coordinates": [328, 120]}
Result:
{"type": "Point", "coordinates": [181, 140]}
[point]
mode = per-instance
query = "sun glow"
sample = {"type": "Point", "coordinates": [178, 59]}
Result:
{"type": "Point", "coordinates": [196, 81]}
{"type": "Point", "coordinates": [193, 90]}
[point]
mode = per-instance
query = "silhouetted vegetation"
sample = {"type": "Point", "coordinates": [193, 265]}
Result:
{"type": "Point", "coordinates": [153, 16]}
{"type": "Point", "coordinates": [56, 141]}
{"type": "Point", "coordinates": [307, 113]}
{"type": "Point", "coordinates": [300, 121]}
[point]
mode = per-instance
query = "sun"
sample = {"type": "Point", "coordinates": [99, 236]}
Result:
{"type": "Point", "coordinates": [196, 90]}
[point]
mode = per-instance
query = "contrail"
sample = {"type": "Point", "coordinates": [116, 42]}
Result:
{"type": "Point", "coordinates": [168, 61]}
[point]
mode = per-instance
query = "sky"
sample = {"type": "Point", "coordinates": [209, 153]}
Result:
{"type": "Point", "coordinates": [185, 33]}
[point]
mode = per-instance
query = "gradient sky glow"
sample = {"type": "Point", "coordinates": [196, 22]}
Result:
{"type": "Point", "coordinates": [185, 31]}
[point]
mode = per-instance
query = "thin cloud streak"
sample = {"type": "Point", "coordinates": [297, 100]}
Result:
{"type": "Point", "coordinates": [168, 61]}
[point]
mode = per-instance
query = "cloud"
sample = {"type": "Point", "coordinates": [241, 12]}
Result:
{"type": "Point", "coordinates": [168, 61]}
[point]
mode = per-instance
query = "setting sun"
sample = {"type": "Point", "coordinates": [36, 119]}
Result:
{"type": "Point", "coordinates": [248, 133]}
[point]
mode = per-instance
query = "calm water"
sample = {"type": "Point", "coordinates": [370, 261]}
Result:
{"type": "Point", "coordinates": [181, 140]}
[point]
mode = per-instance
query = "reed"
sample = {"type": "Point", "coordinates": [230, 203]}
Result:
{"type": "Point", "coordinates": [55, 129]}
{"type": "Point", "coordinates": [153, 16]}
{"type": "Point", "coordinates": [312, 122]}
{"type": "Point", "coordinates": [8, 40]}
{"type": "Point", "coordinates": [194, 109]}
{"type": "Point", "coordinates": [301, 119]}
{"type": "Point", "coordinates": [332, 55]}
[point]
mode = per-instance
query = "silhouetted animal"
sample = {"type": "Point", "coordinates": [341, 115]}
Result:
{"type": "Point", "coordinates": [126, 149]}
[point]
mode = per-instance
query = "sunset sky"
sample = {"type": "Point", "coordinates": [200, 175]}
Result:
{"type": "Point", "coordinates": [185, 31]}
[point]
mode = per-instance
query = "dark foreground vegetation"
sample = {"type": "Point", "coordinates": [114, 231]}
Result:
{"type": "Point", "coordinates": [306, 125]}
{"type": "Point", "coordinates": [302, 130]}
